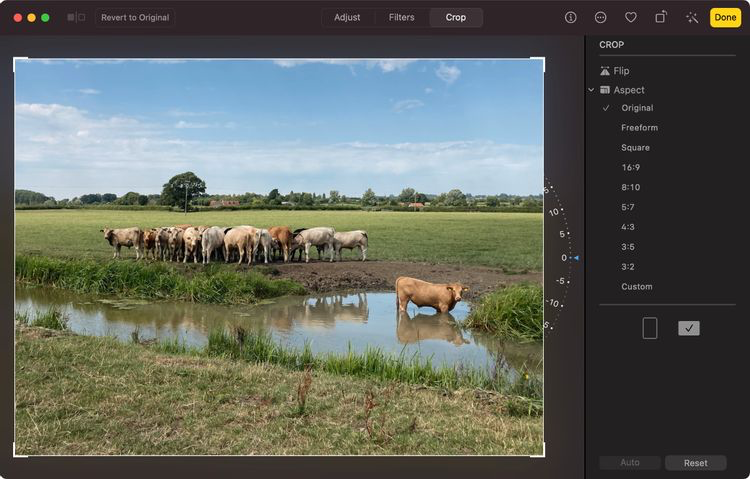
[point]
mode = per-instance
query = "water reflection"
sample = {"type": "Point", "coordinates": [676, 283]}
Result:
{"type": "Point", "coordinates": [442, 326]}
{"type": "Point", "coordinates": [333, 322]}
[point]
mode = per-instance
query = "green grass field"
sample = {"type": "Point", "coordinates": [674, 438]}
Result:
{"type": "Point", "coordinates": [512, 241]}
{"type": "Point", "coordinates": [88, 395]}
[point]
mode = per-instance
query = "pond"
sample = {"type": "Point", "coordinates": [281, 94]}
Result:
{"type": "Point", "coordinates": [331, 322]}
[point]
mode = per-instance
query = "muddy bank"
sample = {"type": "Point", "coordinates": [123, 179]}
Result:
{"type": "Point", "coordinates": [322, 276]}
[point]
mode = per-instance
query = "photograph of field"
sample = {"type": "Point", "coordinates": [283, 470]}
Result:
{"type": "Point", "coordinates": [323, 257]}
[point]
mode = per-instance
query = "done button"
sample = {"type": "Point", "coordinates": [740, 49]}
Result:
{"type": "Point", "coordinates": [726, 17]}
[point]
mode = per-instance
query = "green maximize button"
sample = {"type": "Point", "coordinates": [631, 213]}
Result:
{"type": "Point", "coordinates": [45, 17]}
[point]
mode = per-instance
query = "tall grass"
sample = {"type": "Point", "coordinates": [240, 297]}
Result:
{"type": "Point", "coordinates": [524, 395]}
{"type": "Point", "coordinates": [52, 318]}
{"type": "Point", "coordinates": [514, 312]}
{"type": "Point", "coordinates": [151, 280]}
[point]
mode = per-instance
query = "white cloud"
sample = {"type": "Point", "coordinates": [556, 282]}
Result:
{"type": "Point", "coordinates": [448, 74]}
{"type": "Point", "coordinates": [64, 151]}
{"type": "Point", "coordinates": [187, 124]}
{"type": "Point", "coordinates": [176, 112]}
{"type": "Point", "coordinates": [404, 105]}
{"type": "Point", "coordinates": [191, 125]}
{"type": "Point", "coordinates": [385, 65]}
{"type": "Point", "coordinates": [89, 91]}
{"type": "Point", "coordinates": [428, 90]}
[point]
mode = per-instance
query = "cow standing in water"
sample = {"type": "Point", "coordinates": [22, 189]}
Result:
{"type": "Point", "coordinates": [130, 237]}
{"type": "Point", "coordinates": [442, 297]}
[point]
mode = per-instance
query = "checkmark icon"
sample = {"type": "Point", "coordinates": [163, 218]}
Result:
{"type": "Point", "coordinates": [689, 328]}
{"type": "Point", "coordinates": [605, 108]}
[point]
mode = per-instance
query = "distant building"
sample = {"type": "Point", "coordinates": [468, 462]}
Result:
{"type": "Point", "coordinates": [417, 206]}
{"type": "Point", "coordinates": [220, 203]}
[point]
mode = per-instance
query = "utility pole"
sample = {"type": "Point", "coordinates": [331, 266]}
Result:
{"type": "Point", "coordinates": [185, 185]}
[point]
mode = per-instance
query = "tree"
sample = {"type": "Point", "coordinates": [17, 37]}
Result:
{"type": "Point", "coordinates": [368, 198]}
{"type": "Point", "coordinates": [108, 197]}
{"type": "Point", "coordinates": [455, 198]}
{"type": "Point", "coordinates": [334, 196]}
{"type": "Point", "coordinates": [492, 201]}
{"type": "Point", "coordinates": [50, 202]}
{"type": "Point", "coordinates": [142, 200]}
{"type": "Point", "coordinates": [91, 198]}
{"type": "Point", "coordinates": [421, 198]}
{"type": "Point", "coordinates": [307, 199]}
{"type": "Point", "coordinates": [129, 198]}
{"type": "Point", "coordinates": [181, 189]}
{"type": "Point", "coordinates": [273, 194]}
{"type": "Point", "coordinates": [407, 195]}
{"type": "Point", "coordinates": [26, 197]}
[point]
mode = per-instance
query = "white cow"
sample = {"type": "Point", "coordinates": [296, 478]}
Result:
{"type": "Point", "coordinates": [117, 238]}
{"type": "Point", "coordinates": [320, 236]}
{"type": "Point", "coordinates": [263, 240]}
{"type": "Point", "coordinates": [242, 239]}
{"type": "Point", "coordinates": [351, 240]}
{"type": "Point", "coordinates": [192, 240]}
{"type": "Point", "coordinates": [212, 240]}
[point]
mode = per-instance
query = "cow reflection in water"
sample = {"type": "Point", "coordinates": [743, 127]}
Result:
{"type": "Point", "coordinates": [321, 311]}
{"type": "Point", "coordinates": [428, 326]}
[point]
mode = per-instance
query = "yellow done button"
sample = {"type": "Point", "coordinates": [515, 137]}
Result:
{"type": "Point", "coordinates": [726, 17]}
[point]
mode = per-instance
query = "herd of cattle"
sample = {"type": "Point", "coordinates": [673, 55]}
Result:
{"type": "Point", "coordinates": [246, 243]}
{"type": "Point", "coordinates": [202, 243]}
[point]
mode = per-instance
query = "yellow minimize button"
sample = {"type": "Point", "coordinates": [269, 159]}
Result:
{"type": "Point", "coordinates": [726, 17]}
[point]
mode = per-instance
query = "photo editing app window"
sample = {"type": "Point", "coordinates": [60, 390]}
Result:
{"type": "Point", "coordinates": [370, 238]}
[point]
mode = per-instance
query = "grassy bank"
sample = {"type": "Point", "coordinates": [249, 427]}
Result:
{"type": "Point", "coordinates": [151, 280]}
{"type": "Point", "coordinates": [87, 395]}
{"type": "Point", "coordinates": [52, 318]}
{"type": "Point", "coordinates": [522, 397]}
{"type": "Point", "coordinates": [512, 241]}
{"type": "Point", "coordinates": [515, 312]}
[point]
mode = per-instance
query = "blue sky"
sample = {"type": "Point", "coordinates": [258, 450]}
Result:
{"type": "Point", "coordinates": [99, 126]}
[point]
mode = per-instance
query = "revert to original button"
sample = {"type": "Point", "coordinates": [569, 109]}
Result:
{"type": "Point", "coordinates": [695, 462]}
{"type": "Point", "coordinates": [725, 17]}
{"type": "Point", "coordinates": [456, 17]}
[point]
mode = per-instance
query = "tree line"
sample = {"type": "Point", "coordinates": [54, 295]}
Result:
{"type": "Point", "coordinates": [187, 190]}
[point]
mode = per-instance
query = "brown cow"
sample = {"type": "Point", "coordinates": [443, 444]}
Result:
{"type": "Point", "coordinates": [442, 297]}
{"type": "Point", "coordinates": [184, 227]}
{"type": "Point", "coordinates": [149, 242]}
{"type": "Point", "coordinates": [129, 237]}
{"type": "Point", "coordinates": [283, 236]}
{"type": "Point", "coordinates": [176, 244]}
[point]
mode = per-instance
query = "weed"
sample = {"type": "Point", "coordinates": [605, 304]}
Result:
{"type": "Point", "coordinates": [514, 312]}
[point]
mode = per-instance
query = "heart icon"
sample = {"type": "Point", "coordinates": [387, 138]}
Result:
{"type": "Point", "coordinates": [630, 16]}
